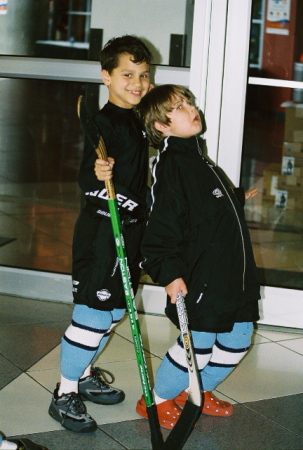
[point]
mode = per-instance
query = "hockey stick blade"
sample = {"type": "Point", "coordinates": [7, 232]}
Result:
{"type": "Point", "coordinates": [192, 408]}
{"type": "Point", "coordinates": [93, 134]}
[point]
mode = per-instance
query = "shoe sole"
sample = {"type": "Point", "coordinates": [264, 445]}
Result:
{"type": "Point", "coordinates": [141, 411]}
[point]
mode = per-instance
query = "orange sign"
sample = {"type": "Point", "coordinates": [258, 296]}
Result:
{"type": "Point", "coordinates": [278, 16]}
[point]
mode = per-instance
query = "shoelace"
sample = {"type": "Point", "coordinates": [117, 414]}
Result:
{"type": "Point", "coordinates": [101, 376]}
{"type": "Point", "coordinates": [75, 405]}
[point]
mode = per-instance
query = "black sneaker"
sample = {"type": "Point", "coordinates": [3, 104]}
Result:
{"type": "Point", "coordinates": [96, 388]}
{"type": "Point", "coordinates": [26, 444]}
{"type": "Point", "coordinates": [70, 411]}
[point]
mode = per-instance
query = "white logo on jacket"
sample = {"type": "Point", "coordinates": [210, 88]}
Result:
{"type": "Point", "coordinates": [103, 295]}
{"type": "Point", "coordinates": [122, 200]}
{"type": "Point", "coordinates": [217, 193]}
{"type": "Point", "coordinates": [75, 283]}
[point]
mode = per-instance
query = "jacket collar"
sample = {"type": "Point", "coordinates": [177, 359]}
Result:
{"type": "Point", "coordinates": [186, 145]}
{"type": "Point", "coordinates": [182, 144]}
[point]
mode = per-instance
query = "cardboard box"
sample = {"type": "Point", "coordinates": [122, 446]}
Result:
{"type": "Point", "coordinates": [284, 192]}
{"type": "Point", "coordinates": [298, 172]}
{"type": "Point", "coordinates": [294, 123]}
{"type": "Point", "coordinates": [292, 157]}
{"type": "Point", "coordinates": [270, 179]}
{"type": "Point", "coordinates": [293, 148]}
{"type": "Point", "coordinates": [274, 216]}
{"type": "Point", "coordinates": [291, 183]}
{"type": "Point", "coordinates": [284, 200]}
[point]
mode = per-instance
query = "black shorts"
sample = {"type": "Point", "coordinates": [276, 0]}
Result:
{"type": "Point", "coordinates": [96, 273]}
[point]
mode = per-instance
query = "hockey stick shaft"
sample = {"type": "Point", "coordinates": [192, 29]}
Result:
{"type": "Point", "coordinates": [195, 383]}
{"type": "Point", "coordinates": [156, 436]}
{"type": "Point", "coordinates": [192, 408]}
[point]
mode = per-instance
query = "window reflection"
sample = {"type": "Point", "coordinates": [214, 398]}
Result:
{"type": "Point", "coordinates": [273, 143]}
{"type": "Point", "coordinates": [41, 148]}
{"type": "Point", "coordinates": [273, 162]}
{"type": "Point", "coordinates": [276, 40]}
{"type": "Point", "coordinates": [68, 31]}
{"type": "Point", "coordinates": [256, 34]}
{"type": "Point", "coordinates": [77, 29]}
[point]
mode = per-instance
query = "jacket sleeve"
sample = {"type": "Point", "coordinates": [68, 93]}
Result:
{"type": "Point", "coordinates": [86, 178]}
{"type": "Point", "coordinates": [240, 194]}
{"type": "Point", "coordinates": [165, 236]}
{"type": "Point", "coordinates": [238, 191]}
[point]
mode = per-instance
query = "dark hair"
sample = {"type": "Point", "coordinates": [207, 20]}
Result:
{"type": "Point", "coordinates": [154, 107]}
{"type": "Point", "coordinates": [109, 55]}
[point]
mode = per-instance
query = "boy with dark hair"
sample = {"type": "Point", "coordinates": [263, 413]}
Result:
{"type": "Point", "coordinates": [197, 243]}
{"type": "Point", "coordinates": [97, 287]}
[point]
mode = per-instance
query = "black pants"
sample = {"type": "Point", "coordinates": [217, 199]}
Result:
{"type": "Point", "coordinates": [96, 273]}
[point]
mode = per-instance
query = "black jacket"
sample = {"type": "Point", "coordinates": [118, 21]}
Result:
{"type": "Point", "coordinates": [197, 231]}
{"type": "Point", "coordinates": [126, 142]}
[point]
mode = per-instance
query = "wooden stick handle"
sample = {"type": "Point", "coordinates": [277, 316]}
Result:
{"type": "Point", "coordinates": [102, 154]}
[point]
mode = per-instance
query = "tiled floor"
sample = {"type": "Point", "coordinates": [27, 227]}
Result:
{"type": "Point", "coordinates": [266, 388]}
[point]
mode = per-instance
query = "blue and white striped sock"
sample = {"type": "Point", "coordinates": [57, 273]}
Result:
{"type": "Point", "coordinates": [229, 349]}
{"type": "Point", "coordinates": [172, 375]}
{"type": "Point", "coordinates": [217, 355]}
{"type": "Point", "coordinates": [82, 342]}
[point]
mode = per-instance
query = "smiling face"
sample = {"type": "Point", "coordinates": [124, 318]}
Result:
{"type": "Point", "coordinates": [128, 82]}
{"type": "Point", "coordinates": [184, 119]}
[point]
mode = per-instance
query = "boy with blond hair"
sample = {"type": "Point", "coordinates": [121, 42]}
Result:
{"type": "Point", "coordinates": [197, 243]}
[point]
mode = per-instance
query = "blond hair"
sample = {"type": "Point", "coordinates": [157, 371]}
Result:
{"type": "Point", "coordinates": [154, 107]}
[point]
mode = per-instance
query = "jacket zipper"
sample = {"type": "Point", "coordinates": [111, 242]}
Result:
{"type": "Point", "coordinates": [240, 227]}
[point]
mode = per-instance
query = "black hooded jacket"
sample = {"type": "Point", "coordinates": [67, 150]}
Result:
{"type": "Point", "coordinates": [197, 231]}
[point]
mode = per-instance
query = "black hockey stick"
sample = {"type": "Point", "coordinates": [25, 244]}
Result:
{"type": "Point", "coordinates": [192, 408]}
{"type": "Point", "coordinates": [182, 429]}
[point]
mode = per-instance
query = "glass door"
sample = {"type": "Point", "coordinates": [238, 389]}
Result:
{"type": "Point", "coordinates": [42, 73]}
{"type": "Point", "coordinates": [271, 157]}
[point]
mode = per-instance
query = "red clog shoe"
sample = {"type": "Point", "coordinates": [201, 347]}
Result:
{"type": "Point", "coordinates": [168, 412]}
{"type": "Point", "coordinates": [212, 406]}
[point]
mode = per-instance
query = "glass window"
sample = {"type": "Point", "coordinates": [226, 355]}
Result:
{"type": "Point", "coordinates": [41, 148]}
{"type": "Point", "coordinates": [273, 162]}
{"type": "Point", "coordinates": [77, 29]}
{"type": "Point", "coordinates": [273, 150]}
{"type": "Point", "coordinates": [276, 40]}
{"type": "Point", "coordinates": [256, 34]}
{"type": "Point", "coordinates": [41, 141]}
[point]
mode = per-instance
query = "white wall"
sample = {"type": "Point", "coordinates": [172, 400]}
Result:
{"type": "Point", "coordinates": [153, 21]}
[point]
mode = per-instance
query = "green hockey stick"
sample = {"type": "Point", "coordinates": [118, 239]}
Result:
{"type": "Point", "coordinates": [181, 431]}
{"type": "Point", "coordinates": [97, 141]}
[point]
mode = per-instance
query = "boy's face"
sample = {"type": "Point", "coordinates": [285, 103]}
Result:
{"type": "Point", "coordinates": [128, 82]}
{"type": "Point", "coordinates": [184, 119]}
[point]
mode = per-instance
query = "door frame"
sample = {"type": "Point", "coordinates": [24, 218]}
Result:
{"type": "Point", "coordinates": [218, 79]}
